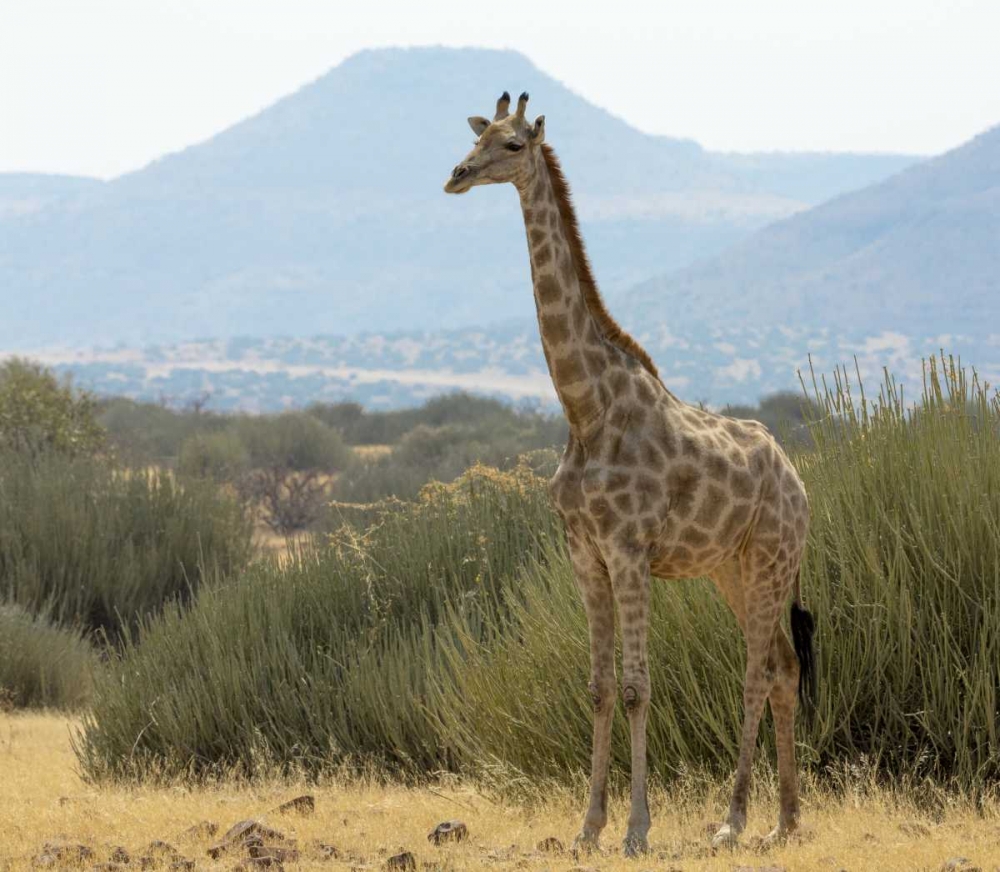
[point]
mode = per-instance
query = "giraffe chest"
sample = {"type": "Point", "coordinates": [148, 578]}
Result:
{"type": "Point", "coordinates": [611, 506]}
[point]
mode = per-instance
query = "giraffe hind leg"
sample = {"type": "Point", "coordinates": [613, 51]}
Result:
{"type": "Point", "coordinates": [783, 702]}
{"type": "Point", "coordinates": [761, 620]}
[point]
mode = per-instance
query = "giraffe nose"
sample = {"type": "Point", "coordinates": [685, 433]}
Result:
{"type": "Point", "coordinates": [459, 172]}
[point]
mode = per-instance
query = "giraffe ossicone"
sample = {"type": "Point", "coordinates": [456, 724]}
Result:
{"type": "Point", "coordinates": [651, 486]}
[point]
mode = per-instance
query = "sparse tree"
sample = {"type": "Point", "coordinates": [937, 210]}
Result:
{"type": "Point", "coordinates": [39, 412]}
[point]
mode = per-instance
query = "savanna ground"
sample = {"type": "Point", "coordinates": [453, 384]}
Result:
{"type": "Point", "coordinates": [43, 799]}
{"type": "Point", "coordinates": [429, 628]}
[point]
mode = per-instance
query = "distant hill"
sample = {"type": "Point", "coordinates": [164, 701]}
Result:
{"type": "Point", "coordinates": [24, 194]}
{"type": "Point", "coordinates": [918, 254]}
{"type": "Point", "coordinates": [324, 213]}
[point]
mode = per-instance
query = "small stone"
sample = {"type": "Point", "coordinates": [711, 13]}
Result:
{"type": "Point", "coordinates": [959, 864]}
{"type": "Point", "coordinates": [253, 865]}
{"type": "Point", "coordinates": [201, 830]}
{"type": "Point", "coordinates": [161, 848]}
{"type": "Point", "coordinates": [304, 804]}
{"type": "Point", "coordinates": [499, 855]}
{"type": "Point", "coordinates": [242, 833]}
{"type": "Point", "coordinates": [403, 862]}
{"type": "Point", "coordinates": [448, 831]}
{"type": "Point", "coordinates": [120, 855]}
{"type": "Point", "coordinates": [550, 845]}
{"type": "Point", "coordinates": [327, 851]}
{"type": "Point", "coordinates": [264, 852]}
{"type": "Point", "coordinates": [251, 826]}
{"type": "Point", "coordinates": [61, 854]}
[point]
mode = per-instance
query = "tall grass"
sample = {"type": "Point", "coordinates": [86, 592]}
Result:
{"type": "Point", "coordinates": [450, 635]}
{"type": "Point", "coordinates": [333, 656]}
{"type": "Point", "coordinates": [41, 665]}
{"type": "Point", "coordinates": [94, 547]}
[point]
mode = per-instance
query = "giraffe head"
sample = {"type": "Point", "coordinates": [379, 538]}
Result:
{"type": "Point", "coordinates": [504, 150]}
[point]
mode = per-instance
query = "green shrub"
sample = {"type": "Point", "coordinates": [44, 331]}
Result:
{"type": "Point", "coordinates": [482, 414]}
{"type": "Point", "coordinates": [292, 441]}
{"type": "Point", "coordinates": [220, 456]}
{"type": "Point", "coordinates": [144, 434]}
{"type": "Point", "coordinates": [41, 665]}
{"type": "Point", "coordinates": [329, 657]}
{"type": "Point", "coordinates": [96, 547]}
{"type": "Point", "coordinates": [40, 413]}
{"type": "Point", "coordinates": [450, 636]}
{"type": "Point", "coordinates": [439, 453]}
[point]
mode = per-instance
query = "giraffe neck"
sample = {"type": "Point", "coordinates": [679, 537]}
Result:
{"type": "Point", "coordinates": [572, 340]}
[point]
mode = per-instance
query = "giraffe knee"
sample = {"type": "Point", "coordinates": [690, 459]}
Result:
{"type": "Point", "coordinates": [602, 693]}
{"type": "Point", "coordinates": [635, 695]}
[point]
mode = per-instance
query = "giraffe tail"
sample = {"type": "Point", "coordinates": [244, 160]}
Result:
{"type": "Point", "coordinates": [803, 626]}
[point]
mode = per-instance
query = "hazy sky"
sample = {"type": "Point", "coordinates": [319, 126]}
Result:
{"type": "Point", "coordinates": [104, 86]}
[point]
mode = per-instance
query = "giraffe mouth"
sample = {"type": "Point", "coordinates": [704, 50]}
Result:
{"type": "Point", "coordinates": [462, 178]}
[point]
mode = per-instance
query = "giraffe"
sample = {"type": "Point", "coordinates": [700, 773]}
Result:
{"type": "Point", "coordinates": [650, 486]}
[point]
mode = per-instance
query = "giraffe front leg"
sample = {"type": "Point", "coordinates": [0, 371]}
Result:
{"type": "Point", "coordinates": [595, 588]}
{"type": "Point", "coordinates": [630, 581]}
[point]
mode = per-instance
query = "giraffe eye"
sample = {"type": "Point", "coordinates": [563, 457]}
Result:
{"type": "Point", "coordinates": [513, 146]}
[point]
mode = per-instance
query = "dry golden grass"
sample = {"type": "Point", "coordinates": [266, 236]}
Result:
{"type": "Point", "coordinates": [371, 452]}
{"type": "Point", "coordinates": [42, 798]}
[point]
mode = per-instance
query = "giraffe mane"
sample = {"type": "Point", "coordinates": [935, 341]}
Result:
{"type": "Point", "coordinates": [611, 329]}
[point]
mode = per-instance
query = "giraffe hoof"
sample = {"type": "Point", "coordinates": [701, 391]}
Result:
{"type": "Point", "coordinates": [586, 843]}
{"type": "Point", "coordinates": [726, 837]}
{"type": "Point", "coordinates": [635, 845]}
{"type": "Point", "coordinates": [774, 839]}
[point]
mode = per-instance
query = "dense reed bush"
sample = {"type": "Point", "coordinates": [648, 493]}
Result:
{"type": "Point", "coordinates": [449, 634]}
{"type": "Point", "coordinates": [41, 665]}
{"type": "Point", "coordinates": [95, 547]}
{"type": "Point", "coordinates": [332, 656]}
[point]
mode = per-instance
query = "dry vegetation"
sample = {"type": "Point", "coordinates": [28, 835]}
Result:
{"type": "Point", "coordinates": [44, 800]}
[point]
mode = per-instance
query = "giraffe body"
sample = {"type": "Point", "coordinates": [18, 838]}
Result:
{"type": "Point", "coordinates": [650, 486]}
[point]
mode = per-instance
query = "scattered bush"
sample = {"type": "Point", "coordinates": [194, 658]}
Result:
{"type": "Point", "coordinates": [144, 434]}
{"type": "Point", "coordinates": [785, 413]}
{"type": "Point", "coordinates": [361, 427]}
{"type": "Point", "coordinates": [292, 457]}
{"type": "Point", "coordinates": [41, 665]}
{"type": "Point", "coordinates": [333, 655]}
{"type": "Point", "coordinates": [220, 456]}
{"type": "Point", "coordinates": [449, 634]}
{"type": "Point", "coordinates": [96, 547]}
{"type": "Point", "coordinates": [292, 441]}
{"type": "Point", "coordinates": [441, 453]}
{"type": "Point", "coordinates": [40, 413]}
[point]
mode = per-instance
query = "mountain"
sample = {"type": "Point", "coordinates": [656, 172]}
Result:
{"type": "Point", "coordinates": [918, 254]}
{"type": "Point", "coordinates": [28, 193]}
{"type": "Point", "coordinates": [324, 213]}
{"type": "Point", "coordinates": [883, 277]}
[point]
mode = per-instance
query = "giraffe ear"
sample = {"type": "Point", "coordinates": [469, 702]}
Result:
{"type": "Point", "coordinates": [478, 124]}
{"type": "Point", "coordinates": [537, 133]}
